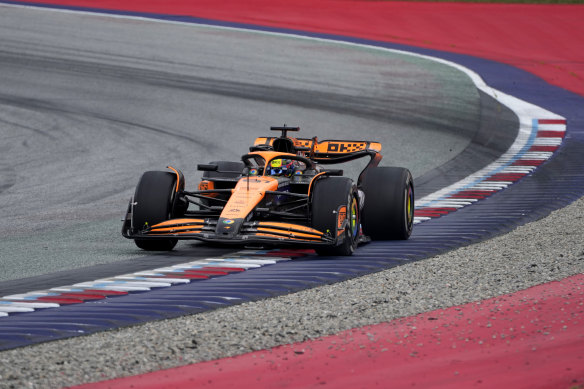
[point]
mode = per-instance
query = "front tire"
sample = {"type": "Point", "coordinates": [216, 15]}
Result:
{"type": "Point", "coordinates": [153, 203]}
{"type": "Point", "coordinates": [388, 213]}
{"type": "Point", "coordinates": [328, 196]}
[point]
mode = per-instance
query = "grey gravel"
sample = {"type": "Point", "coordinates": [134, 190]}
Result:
{"type": "Point", "coordinates": [542, 251]}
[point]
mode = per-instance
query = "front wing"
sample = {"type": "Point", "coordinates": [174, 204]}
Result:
{"type": "Point", "coordinates": [264, 232]}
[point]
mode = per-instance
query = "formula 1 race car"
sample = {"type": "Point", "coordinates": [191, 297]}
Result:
{"type": "Point", "coordinates": [279, 194]}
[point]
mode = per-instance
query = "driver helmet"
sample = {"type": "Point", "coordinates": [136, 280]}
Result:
{"type": "Point", "coordinates": [282, 167]}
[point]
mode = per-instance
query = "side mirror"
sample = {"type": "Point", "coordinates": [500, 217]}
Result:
{"type": "Point", "coordinates": [207, 167]}
{"type": "Point", "coordinates": [334, 172]}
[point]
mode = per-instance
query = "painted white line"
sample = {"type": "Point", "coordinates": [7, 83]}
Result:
{"type": "Point", "coordinates": [490, 186]}
{"type": "Point", "coordinates": [518, 169]}
{"type": "Point", "coordinates": [450, 204]}
{"type": "Point", "coordinates": [67, 289]}
{"type": "Point", "coordinates": [164, 281]}
{"type": "Point", "coordinates": [113, 287]}
{"type": "Point", "coordinates": [548, 141]}
{"type": "Point", "coordinates": [147, 284]}
{"type": "Point", "coordinates": [561, 128]}
{"type": "Point", "coordinates": [31, 304]}
{"type": "Point", "coordinates": [537, 155]}
{"type": "Point", "coordinates": [15, 309]}
{"type": "Point", "coordinates": [250, 261]}
{"type": "Point", "coordinates": [30, 295]}
{"type": "Point", "coordinates": [419, 219]}
{"type": "Point", "coordinates": [235, 265]}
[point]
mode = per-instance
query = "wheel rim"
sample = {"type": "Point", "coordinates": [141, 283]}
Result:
{"type": "Point", "coordinates": [354, 218]}
{"type": "Point", "coordinates": [409, 206]}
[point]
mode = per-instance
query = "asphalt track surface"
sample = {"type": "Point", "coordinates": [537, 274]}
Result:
{"type": "Point", "coordinates": [88, 103]}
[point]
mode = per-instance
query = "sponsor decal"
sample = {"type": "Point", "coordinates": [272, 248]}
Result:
{"type": "Point", "coordinates": [228, 221]}
{"type": "Point", "coordinates": [208, 185]}
{"type": "Point", "coordinates": [342, 217]}
{"type": "Point", "coordinates": [344, 147]}
{"type": "Point", "coordinates": [303, 142]}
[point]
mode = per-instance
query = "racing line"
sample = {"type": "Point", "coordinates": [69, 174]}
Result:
{"type": "Point", "coordinates": [543, 172]}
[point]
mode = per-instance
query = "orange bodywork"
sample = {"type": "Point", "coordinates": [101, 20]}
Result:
{"type": "Point", "coordinates": [178, 177]}
{"type": "Point", "coordinates": [327, 146]}
{"type": "Point", "coordinates": [295, 235]}
{"type": "Point", "coordinates": [294, 238]}
{"type": "Point", "coordinates": [313, 180]}
{"type": "Point", "coordinates": [296, 227]}
{"type": "Point", "coordinates": [178, 221]}
{"type": "Point", "coordinates": [206, 185]}
{"type": "Point", "coordinates": [178, 225]}
{"type": "Point", "coordinates": [248, 192]}
{"type": "Point", "coordinates": [345, 147]}
{"type": "Point", "coordinates": [177, 229]}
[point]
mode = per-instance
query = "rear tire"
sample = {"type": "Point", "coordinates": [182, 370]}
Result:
{"type": "Point", "coordinates": [328, 195]}
{"type": "Point", "coordinates": [153, 200]}
{"type": "Point", "coordinates": [388, 213]}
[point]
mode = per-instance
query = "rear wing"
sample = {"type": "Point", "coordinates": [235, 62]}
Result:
{"type": "Point", "coordinates": [331, 151]}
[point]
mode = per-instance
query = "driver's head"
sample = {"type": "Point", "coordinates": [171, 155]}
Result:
{"type": "Point", "coordinates": [282, 167]}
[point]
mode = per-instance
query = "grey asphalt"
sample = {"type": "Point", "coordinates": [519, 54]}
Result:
{"type": "Point", "coordinates": [87, 103]}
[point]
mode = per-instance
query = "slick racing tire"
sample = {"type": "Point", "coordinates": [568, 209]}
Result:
{"type": "Point", "coordinates": [153, 203]}
{"type": "Point", "coordinates": [388, 213]}
{"type": "Point", "coordinates": [329, 194]}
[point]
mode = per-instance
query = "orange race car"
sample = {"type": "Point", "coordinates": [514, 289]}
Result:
{"type": "Point", "coordinates": [279, 194]}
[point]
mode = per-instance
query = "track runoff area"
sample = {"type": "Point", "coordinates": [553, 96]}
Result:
{"type": "Point", "coordinates": [451, 210]}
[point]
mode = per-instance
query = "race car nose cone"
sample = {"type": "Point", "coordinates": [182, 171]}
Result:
{"type": "Point", "coordinates": [228, 228]}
